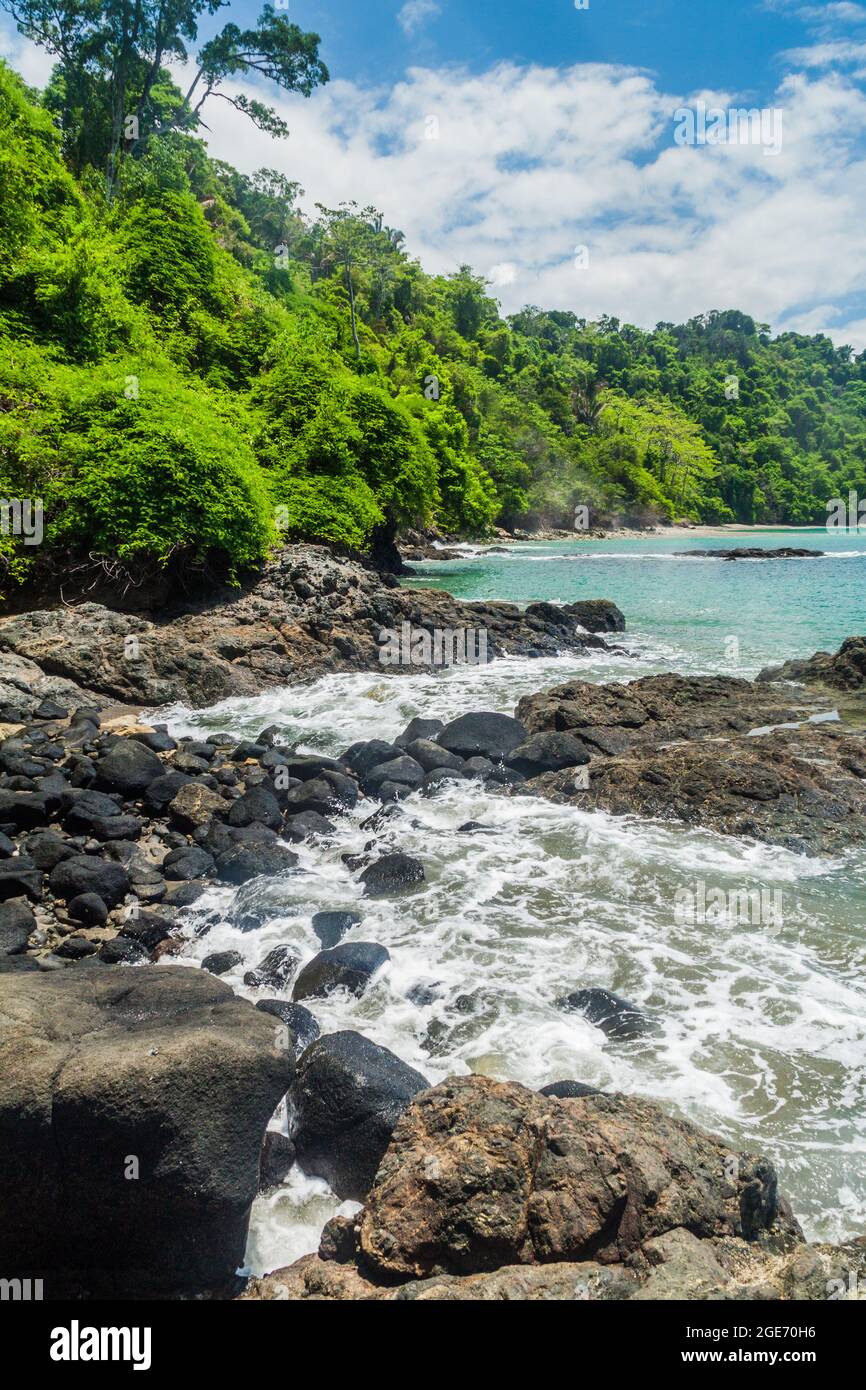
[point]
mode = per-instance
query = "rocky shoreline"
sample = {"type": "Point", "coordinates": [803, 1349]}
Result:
{"type": "Point", "coordinates": [110, 832]}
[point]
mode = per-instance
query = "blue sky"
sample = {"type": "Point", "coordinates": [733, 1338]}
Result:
{"type": "Point", "coordinates": [538, 143]}
{"type": "Point", "coordinates": [728, 44]}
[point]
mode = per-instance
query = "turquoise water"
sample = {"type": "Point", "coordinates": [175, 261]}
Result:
{"type": "Point", "coordinates": [687, 608]}
{"type": "Point", "coordinates": [762, 1025]}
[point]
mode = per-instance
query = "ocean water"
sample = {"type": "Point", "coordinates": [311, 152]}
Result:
{"type": "Point", "coordinates": [761, 1020]}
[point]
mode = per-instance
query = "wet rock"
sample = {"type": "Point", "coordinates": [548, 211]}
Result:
{"type": "Point", "coordinates": [615, 1016]}
{"type": "Point", "coordinates": [350, 966]}
{"type": "Point", "coordinates": [305, 825]}
{"type": "Point", "coordinates": [569, 1090]}
{"type": "Point", "coordinates": [165, 1064]}
{"type": "Point", "coordinates": [122, 950]}
{"type": "Point", "coordinates": [548, 752]}
{"type": "Point", "coordinates": [424, 729]}
{"type": "Point", "coordinates": [275, 970]}
{"type": "Point", "coordinates": [346, 1097]}
{"type": "Point", "coordinates": [148, 929]}
{"type": "Point", "coordinates": [302, 1025]}
{"type": "Point", "coordinates": [276, 1161]}
{"type": "Point", "coordinates": [403, 772]}
{"type": "Point", "coordinates": [392, 873]}
{"type": "Point", "coordinates": [842, 670]}
{"type": "Point", "coordinates": [363, 757]}
{"type": "Point", "coordinates": [87, 873]}
{"type": "Point", "coordinates": [331, 927]}
{"type": "Point", "coordinates": [317, 796]}
{"type": "Point", "coordinates": [485, 735]}
{"type": "Point", "coordinates": [431, 756]}
{"type": "Point", "coordinates": [221, 962]}
{"type": "Point", "coordinates": [597, 615]}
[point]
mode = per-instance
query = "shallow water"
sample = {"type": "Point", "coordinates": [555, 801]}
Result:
{"type": "Point", "coordinates": [762, 1023]}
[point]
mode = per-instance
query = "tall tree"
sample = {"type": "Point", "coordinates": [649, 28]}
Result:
{"type": "Point", "coordinates": [110, 65]}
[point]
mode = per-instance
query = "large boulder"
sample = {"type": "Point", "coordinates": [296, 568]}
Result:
{"type": "Point", "coordinates": [128, 767]}
{"type": "Point", "coordinates": [392, 873]}
{"type": "Point", "coordinates": [481, 1174]}
{"type": "Point", "coordinates": [87, 873]}
{"type": "Point", "coordinates": [350, 966]}
{"type": "Point", "coordinates": [483, 735]}
{"type": "Point", "coordinates": [596, 615]}
{"type": "Point", "coordinates": [346, 1097]}
{"type": "Point", "coordinates": [548, 752]}
{"type": "Point", "coordinates": [132, 1110]}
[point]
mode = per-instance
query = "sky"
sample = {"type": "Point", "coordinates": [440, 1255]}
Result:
{"type": "Point", "coordinates": [549, 145]}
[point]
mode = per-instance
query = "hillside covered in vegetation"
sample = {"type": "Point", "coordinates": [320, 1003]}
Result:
{"type": "Point", "coordinates": [190, 368]}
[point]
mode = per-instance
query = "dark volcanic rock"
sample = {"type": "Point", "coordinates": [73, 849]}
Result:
{"type": "Point", "coordinates": [16, 924]}
{"type": "Point", "coordinates": [20, 878]}
{"type": "Point", "coordinates": [100, 1067]}
{"type": "Point", "coordinates": [302, 1025]}
{"type": "Point", "coordinates": [842, 670]}
{"type": "Point", "coordinates": [350, 966]}
{"type": "Point", "coordinates": [122, 950]}
{"type": "Point", "coordinates": [277, 1160]}
{"type": "Point", "coordinates": [86, 873]}
{"type": "Point", "coordinates": [187, 862]}
{"type": "Point", "coordinates": [568, 1090]}
{"type": "Point", "coordinates": [347, 1096]}
{"type": "Point", "coordinates": [220, 962]}
{"type": "Point", "coordinates": [486, 735]}
{"type": "Point", "coordinates": [275, 970]}
{"type": "Point", "coordinates": [245, 862]}
{"type": "Point", "coordinates": [616, 1017]}
{"type": "Point", "coordinates": [756, 552]}
{"type": "Point", "coordinates": [392, 874]}
{"type": "Point", "coordinates": [90, 909]}
{"type": "Point", "coordinates": [256, 806]}
{"type": "Point", "coordinates": [548, 752]}
{"type": "Point", "coordinates": [305, 824]}
{"type": "Point", "coordinates": [129, 767]}
{"type": "Point", "coordinates": [597, 615]}
{"type": "Point", "coordinates": [331, 927]}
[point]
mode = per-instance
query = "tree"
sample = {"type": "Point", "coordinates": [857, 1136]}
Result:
{"type": "Point", "coordinates": [347, 244]}
{"type": "Point", "coordinates": [111, 88]}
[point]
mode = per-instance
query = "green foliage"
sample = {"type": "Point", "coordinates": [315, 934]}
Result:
{"type": "Point", "coordinates": [186, 359]}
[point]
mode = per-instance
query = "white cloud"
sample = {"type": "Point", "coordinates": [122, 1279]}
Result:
{"type": "Point", "coordinates": [30, 62]}
{"type": "Point", "coordinates": [415, 14]}
{"type": "Point", "coordinates": [531, 162]}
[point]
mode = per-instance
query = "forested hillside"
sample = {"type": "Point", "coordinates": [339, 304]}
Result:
{"type": "Point", "coordinates": [189, 367]}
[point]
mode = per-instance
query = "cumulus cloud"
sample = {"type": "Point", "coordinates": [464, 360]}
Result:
{"type": "Point", "coordinates": [415, 14]}
{"type": "Point", "coordinates": [510, 170]}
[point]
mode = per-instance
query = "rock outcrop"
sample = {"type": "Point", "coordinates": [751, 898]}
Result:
{"type": "Point", "coordinates": [132, 1110]}
{"type": "Point", "coordinates": [490, 1192]}
{"type": "Point", "coordinates": [310, 612]}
